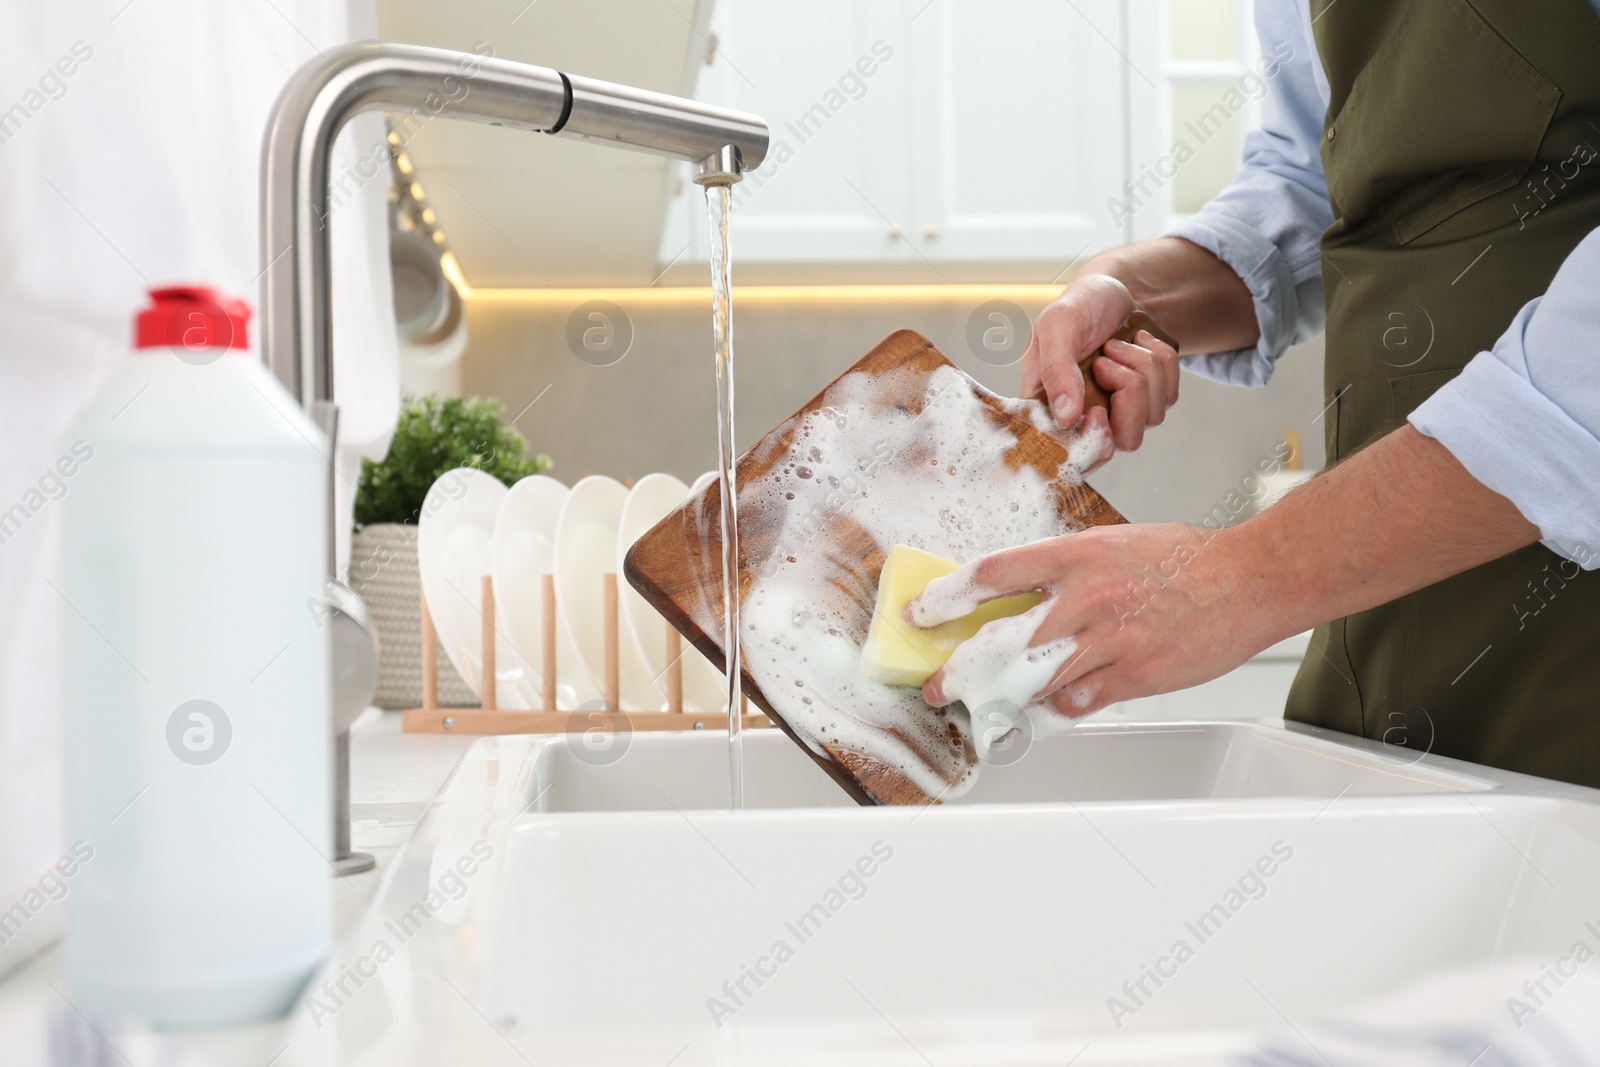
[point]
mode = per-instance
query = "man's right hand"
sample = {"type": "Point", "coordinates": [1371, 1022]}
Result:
{"type": "Point", "coordinates": [1141, 378]}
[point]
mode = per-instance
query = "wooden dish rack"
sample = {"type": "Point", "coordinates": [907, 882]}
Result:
{"type": "Point", "coordinates": [489, 719]}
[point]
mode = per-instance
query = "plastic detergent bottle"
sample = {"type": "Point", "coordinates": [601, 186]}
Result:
{"type": "Point", "coordinates": [197, 691]}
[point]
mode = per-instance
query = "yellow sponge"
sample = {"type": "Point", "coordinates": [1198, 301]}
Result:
{"type": "Point", "coordinates": [898, 653]}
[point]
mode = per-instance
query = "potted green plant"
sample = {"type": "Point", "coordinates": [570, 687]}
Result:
{"type": "Point", "coordinates": [435, 434]}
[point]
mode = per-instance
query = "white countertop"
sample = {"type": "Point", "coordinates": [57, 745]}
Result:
{"type": "Point", "coordinates": [447, 1001]}
{"type": "Point", "coordinates": [393, 777]}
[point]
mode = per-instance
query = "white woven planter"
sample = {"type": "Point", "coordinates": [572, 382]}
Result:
{"type": "Point", "coordinates": [383, 569]}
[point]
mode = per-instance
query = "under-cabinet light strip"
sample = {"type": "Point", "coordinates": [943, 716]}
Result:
{"type": "Point", "coordinates": [1024, 294]}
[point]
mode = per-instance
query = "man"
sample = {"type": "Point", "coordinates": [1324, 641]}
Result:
{"type": "Point", "coordinates": [1446, 152]}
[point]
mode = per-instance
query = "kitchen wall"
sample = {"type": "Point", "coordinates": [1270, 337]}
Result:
{"type": "Point", "coordinates": [654, 409]}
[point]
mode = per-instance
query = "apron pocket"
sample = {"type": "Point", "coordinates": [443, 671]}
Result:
{"type": "Point", "coordinates": [1407, 392]}
{"type": "Point", "coordinates": [1473, 115]}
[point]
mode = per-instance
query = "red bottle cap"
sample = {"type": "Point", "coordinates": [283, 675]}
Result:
{"type": "Point", "coordinates": [191, 317]}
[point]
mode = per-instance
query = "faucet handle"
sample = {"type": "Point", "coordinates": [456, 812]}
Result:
{"type": "Point", "coordinates": [354, 652]}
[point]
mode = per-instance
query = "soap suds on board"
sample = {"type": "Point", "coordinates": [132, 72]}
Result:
{"type": "Point", "coordinates": [938, 480]}
{"type": "Point", "coordinates": [1088, 446]}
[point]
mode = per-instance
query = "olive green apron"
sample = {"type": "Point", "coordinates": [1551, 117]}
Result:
{"type": "Point", "coordinates": [1463, 161]}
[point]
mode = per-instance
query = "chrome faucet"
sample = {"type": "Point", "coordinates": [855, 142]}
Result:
{"type": "Point", "coordinates": [296, 304]}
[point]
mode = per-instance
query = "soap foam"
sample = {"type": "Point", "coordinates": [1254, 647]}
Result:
{"type": "Point", "coordinates": [1091, 446]}
{"type": "Point", "coordinates": [1088, 445]}
{"type": "Point", "coordinates": [937, 479]}
{"type": "Point", "coordinates": [998, 672]}
{"type": "Point", "coordinates": [950, 597]}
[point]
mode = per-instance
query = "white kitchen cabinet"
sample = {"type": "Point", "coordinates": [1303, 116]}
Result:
{"type": "Point", "coordinates": [1019, 130]}
{"type": "Point", "coordinates": [921, 134]}
{"type": "Point", "coordinates": [834, 85]}
{"type": "Point", "coordinates": [832, 80]}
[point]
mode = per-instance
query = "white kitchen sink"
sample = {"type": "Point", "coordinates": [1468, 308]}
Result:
{"type": "Point", "coordinates": [1113, 761]}
{"type": "Point", "coordinates": [974, 932]}
{"type": "Point", "coordinates": [1298, 872]}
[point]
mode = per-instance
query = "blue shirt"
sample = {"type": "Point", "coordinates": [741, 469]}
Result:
{"type": "Point", "coordinates": [1523, 418]}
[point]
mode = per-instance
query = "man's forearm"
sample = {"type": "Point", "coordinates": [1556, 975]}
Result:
{"type": "Point", "coordinates": [1194, 295]}
{"type": "Point", "coordinates": [1395, 517]}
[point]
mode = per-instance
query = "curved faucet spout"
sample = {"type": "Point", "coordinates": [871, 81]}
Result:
{"type": "Point", "coordinates": [296, 316]}
{"type": "Point", "coordinates": [296, 299]}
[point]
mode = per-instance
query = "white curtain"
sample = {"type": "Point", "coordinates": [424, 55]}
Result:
{"type": "Point", "coordinates": [130, 142]}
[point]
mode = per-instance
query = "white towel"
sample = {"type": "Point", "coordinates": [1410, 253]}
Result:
{"type": "Point", "coordinates": [1520, 1013]}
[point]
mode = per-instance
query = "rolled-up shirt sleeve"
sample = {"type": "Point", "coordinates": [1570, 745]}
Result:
{"type": "Point", "coordinates": [1524, 418]}
{"type": "Point", "coordinates": [1267, 223]}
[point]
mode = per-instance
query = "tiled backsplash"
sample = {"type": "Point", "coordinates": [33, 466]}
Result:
{"type": "Point", "coordinates": [653, 409]}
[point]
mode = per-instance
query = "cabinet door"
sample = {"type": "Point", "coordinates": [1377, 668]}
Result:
{"type": "Point", "coordinates": [830, 77]}
{"type": "Point", "coordinates": [1020, 119]}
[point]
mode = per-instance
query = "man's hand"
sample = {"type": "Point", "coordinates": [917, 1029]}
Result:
{"type": "Point", "coordinates": [1150, 608]}
{"type": "Point", "coordinates": [1194, 295]}
{"type": "Point", "coordinates": [1155, 608]}
{"type": "Point", "coordinates": [1141, 378]}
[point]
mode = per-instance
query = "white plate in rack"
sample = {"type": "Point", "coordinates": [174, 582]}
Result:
{"type": "Point", "coordinates": [652, 498]}
{"type": "Point", "coordinates": [585, 551]}
{"type": "Point", "coordinates": [524, 552]}
{"type": "Point", "coordinates": [455, 549]}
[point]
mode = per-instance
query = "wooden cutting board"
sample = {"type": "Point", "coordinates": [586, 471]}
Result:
{"type": "Point", "coordinates": [676, 566]}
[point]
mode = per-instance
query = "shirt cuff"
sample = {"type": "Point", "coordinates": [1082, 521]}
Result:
{"type": "Point", "coordinates": [1272, 288]}
{"type": "Point", "coordinates": [1518, 442]}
